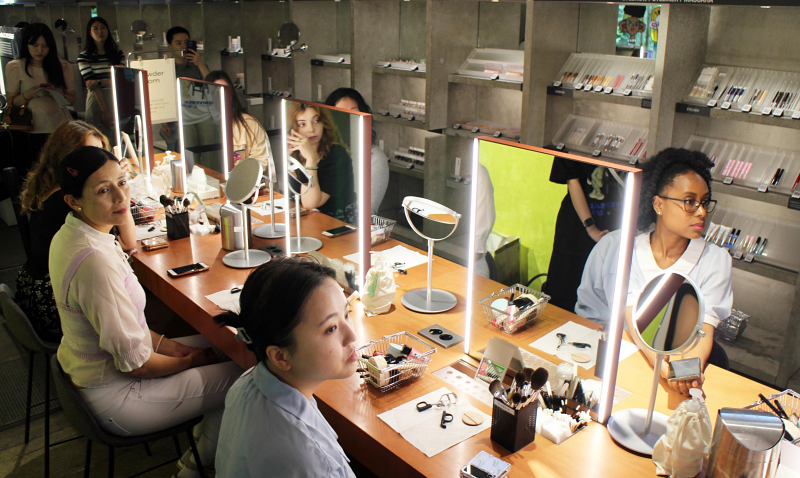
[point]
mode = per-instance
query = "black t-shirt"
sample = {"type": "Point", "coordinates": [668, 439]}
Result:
{"type": "Point", "coordinates": [604, 195]}
{"type": "Point", "coordinates": [335, 176]}
{"type": "Point", "coordinates": [44, 224]}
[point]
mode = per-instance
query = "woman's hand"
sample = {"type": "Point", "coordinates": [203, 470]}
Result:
{"type": "Point", "coordinates": [30, 93]}
{"type": "Point", "coordinates": [202, 357]}
{"type": "Point", "coordinates": [595, 233]}
{"type": "Point", "coordinates": [92, 84]}
{"type": "Point", "coordinates": [681, 386]}
{"type": "Point", "coordinates": [302, 144]}
{"type": "Point", "coordinates": [108, 120]}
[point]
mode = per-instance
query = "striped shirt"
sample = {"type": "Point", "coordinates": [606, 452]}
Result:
{"type": "Point", "coordinates": [96, 67]}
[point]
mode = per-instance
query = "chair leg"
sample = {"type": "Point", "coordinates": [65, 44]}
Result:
{"type": "Point", "coordinates": [88, 463]}
{"type": "Point", "coordinates": [196, 454]}
{"type": "Point", "coordinates": [28, 401]}
{"type": "Point", "coordinates": [111, 462]}
{"type": "Point", "coordinates": [147, 449]}
{"type": "Point", "coordinates": [47, 418]}
{"type": "Point", "coordinates": [177, 446]}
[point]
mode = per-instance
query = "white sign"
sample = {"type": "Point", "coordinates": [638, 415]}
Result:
{"type": "Point", "coordinates": [163, 93]}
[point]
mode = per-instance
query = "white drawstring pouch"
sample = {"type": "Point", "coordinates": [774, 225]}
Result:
{"type": "Point", "coordinates": [679, 453]}
{"type": "Point", "coordinates": [379, 289]}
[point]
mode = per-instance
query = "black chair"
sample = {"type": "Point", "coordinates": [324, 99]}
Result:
{"type": "Point", "coordinates": [13, 185]}
{"type": "Point", "coordinates": [84, 421]}
{"type": "Point", "coordinates": [21, 329]}
{"type": "Point", "coordinates": [719, 357]}
{"type": "Point", "coordinates": [543, 274]}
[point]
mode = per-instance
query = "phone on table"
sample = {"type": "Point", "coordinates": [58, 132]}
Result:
{"type": "Point", "coordinates": [191, 45]}
{"type": "Point", "coordinates": [186, 270]}
{"type": "Point", "coordinates": [339, 231]}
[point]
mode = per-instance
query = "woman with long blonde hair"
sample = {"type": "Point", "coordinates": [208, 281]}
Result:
{"type": "Point", "coordinates": [43, 202]}
{"type": "Point", "coordinates": [315, 141]}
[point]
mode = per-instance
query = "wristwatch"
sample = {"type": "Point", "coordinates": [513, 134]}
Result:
{"type": "Point", "coordinates": [588, 223]}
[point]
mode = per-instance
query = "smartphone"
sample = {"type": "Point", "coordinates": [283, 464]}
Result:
{"type": "Point", "coordinates": [186, 270]}
{"type": "Point", "coordinates": [339, 231]}
{"type": "Point", "coordinates": [191, 45]}
{"type": "Point", "coordinates": [154, 243]}
{"type": "Point", "coordinates": [686, 369]}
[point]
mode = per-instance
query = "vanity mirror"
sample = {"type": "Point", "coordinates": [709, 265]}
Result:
{"type": "Point", "coordinates": [132, 123]}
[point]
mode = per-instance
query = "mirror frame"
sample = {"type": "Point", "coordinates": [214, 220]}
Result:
{"type": "Point", "coordinates": [364, 225]}
{"type": "Point", "coordinates": [147, 127]}
{"type": "Point", "coordinates": [226, 122]}
{"type": "Point", "coordinates": [633, 184]}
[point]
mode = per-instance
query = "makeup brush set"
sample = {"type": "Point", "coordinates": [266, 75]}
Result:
{"type": "Point", "coordinates": [514, 308]}
{"type": "Point", "coordinates": [386, 363]}
{"type": "Point", "coordinates": [514, 410]}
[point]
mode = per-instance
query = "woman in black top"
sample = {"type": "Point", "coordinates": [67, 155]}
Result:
{"type": "Point", "coordinates": [315, 141]}
{"type": "Point", "coordinates": [43, 200]}
{"type": "Point", "coordinates": [591, 209]}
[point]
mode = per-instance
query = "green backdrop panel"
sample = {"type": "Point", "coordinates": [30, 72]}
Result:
{"type": "Point", "coordinates": [525, 201]}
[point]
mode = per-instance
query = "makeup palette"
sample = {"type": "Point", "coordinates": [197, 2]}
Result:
{"type": "Point", "coordinates": [441, 336]}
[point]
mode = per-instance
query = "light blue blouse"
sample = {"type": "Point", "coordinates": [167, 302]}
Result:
{"type": "Point", "coordinates": [270, 429]}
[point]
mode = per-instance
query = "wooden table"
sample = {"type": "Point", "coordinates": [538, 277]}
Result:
{"type": "Point", "coordinates": [352, 407]}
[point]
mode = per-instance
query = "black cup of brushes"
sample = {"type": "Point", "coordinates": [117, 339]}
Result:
{"type": "Point", "coordinates": [177, 215]}
{"type": "Point", "coordinates": [514, 413]}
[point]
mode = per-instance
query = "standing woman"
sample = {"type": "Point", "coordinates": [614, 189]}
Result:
{"type": "Point", "coordinates": [95, 64]}
{"type": "Point", "coordinates": [39, 68]}
{"type": "Point", "coordinates": [315, 141]}
{"type": "Point", "coordinates": [43, 201]}
{"type": "Point", "coordinates": [350, 99]}
{"type": "Point", "coordinates": [134, 381]}
{"type": "Point", "coordinates": [249, 138]}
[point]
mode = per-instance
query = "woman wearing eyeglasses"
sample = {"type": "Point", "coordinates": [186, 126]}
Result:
{"type": "Point", "coordinates": [673, 210]}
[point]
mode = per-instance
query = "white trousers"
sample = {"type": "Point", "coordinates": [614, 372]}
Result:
{"type": "Point", "coordinates": [148, 405]}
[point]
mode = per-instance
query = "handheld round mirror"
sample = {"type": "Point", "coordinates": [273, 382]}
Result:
{"type": "Point", "coordinates": [61, 25]}
{"type": "Point", "coordinates": [431, 211]}
{"type": "Point", "coordinates": [669, 314]}
{"type": "Point", "coordinates": [243, 180]}
{"type": "Point", "coordinates": [289, 34]}
{"type": "Point", "coordinates": [139, 27]}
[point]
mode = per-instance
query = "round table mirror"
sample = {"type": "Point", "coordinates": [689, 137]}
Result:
{"type": "Point", "coordinates": [243, 182]}
{"type": "Point", "coordinates": [299, 178]}
{"type": "Point", "coordinates": [668, 320]}
{"type": "Point", "coordinates": [289, 34]}
{"type": "Point", "coordinates": [61, 25]}
{"type": "Point", "coordinates": [139, 27]}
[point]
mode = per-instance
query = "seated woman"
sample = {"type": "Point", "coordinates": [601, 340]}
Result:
{"type": "Point", "coordinates": [676, 197]}
{"type": "Point", "coordinates": [315, 141]}
{"type": "Point", "coordinates": [43, 201]}
{"type": "Point", "coordinates": [249, 138]}
{"type": "Point", "coordinates": [295, 318]}
{"type": "Point", "coordinates": [134, 380]}
{"type": "Point", "coordinates": [350, 99]}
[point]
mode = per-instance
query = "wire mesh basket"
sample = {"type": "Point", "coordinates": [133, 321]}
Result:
{"type": "Point", "coordinates": [391, 376]}
{"type": "Point", "coordinates": [500, 319]}
{"type": "Point", "coordinates": [144, 211]}
{"type": "Point", "coordinates": [381, 229]}
{"type": "Point", "coordinates": [732, 328]}
{"type": "Point", "coordinates": [789, 400]}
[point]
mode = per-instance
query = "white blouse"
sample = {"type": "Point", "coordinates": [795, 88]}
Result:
{"type": "Point", "coordinates": [113, 337]}
{"type": "Point", "coordinates": [252, 144]}
{"type": "Point", "coordinates": [708, 265]}
{"type": "Point", "coordinates": [47, 113]}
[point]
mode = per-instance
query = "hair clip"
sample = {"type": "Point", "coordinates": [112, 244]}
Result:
{"type": "Point", "coordinates": [241, 336]}
{"type": "Point", "coordinates": [73, 172]}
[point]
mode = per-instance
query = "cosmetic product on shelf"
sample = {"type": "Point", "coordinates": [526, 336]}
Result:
{"type": "Point", "coordinates": [608, 74]}
{"type": "Point", "coordinates": [409, 65]}
{"type": "Point", "coordinates": [601, 137]}
{"type": "Point", "coordinates": [748, 90]}
{"type": "Point", "coordinates": [494, 64]}
{"type": "Point", "coordinates": [407, 109]}
{"type": "Point", "coordinates": [489, 128]}
{"type": "Point", "coordinates": [409, 158]}
{"type": "Point", "coordinates": [337, 58]}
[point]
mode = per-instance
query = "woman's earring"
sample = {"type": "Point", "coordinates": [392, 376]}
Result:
{"type": "Point", "coordinates": [658, 212]}
{"type": "Point", "coordinates": [81, 209]}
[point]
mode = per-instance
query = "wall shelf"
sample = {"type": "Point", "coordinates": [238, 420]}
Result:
{"type": "Point", "coordinates": [637, 101]}
{"type": "Point", "coordinates": [752, 118]}
{"type": "Point", "coordinates": [766, 270]}
{"type": "Point", "coordinates": [750, 193]}
{"type": "Point", "coordinates": [464, 133]}
{"type": "Point", "coordinates": [401, 122]}
{"type": "Point", "coordinates": [377, 70]}
{"type": "Point", "coordinates": [414, 173]}
{"type": "Point", "coordinates": [330, 64]}
{"type": "Point", "coordinates": [460, 186]}
{"type": "Point", "coordinates": [469, 80]}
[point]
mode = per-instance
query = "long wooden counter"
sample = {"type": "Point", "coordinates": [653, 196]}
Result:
{"type": "Point", "coordinates": [352, 407]}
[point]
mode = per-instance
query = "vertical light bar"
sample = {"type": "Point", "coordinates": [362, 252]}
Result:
{"type": "Point", "coordinates": [611, 359]}
{"type": "Point", "coordinates": [361, 212]}
{"type": "Point", "coordinates": [473, 205]}
{"type": "Point", "coordinates": [287, 211]}
{"type": "Point", "coordinates": [116, 108]}
{"type": "Point", "coordinates": [144, 129]}
{"type": "Point", "coordinates": [223, 123]}
{"type": "Point", "coordinates": [180, 128]}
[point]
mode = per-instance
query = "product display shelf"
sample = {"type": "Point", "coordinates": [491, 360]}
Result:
{"type": "Point", "coordinates": [607, 74]}
{"type": "Point", "coordinates": [474, 129]}
{"type": "Point", "coordinates": [564, 92]}
{"type": "Point", "coordinates": [494, 64]}
{"type": "Point", "coordinates": [458, 185]}
{"type": "Point", "coordinates": [379, 70]}
{"type": "Point", "coordinates": [781, 236]}
{"type": "Point", "coordinates": [757, 167]}
{"type": "Point", "coordinates": [763, 92]}
{"type": "Point", "coordinates": [730, 115]}
{"type": "Point", "coordinates": [380, 118]}
{"type": "Point", "coordinates": [330, 64]}
{"type": "Point", "coordinates": [609, 139]}
{"type": "Point", "coordinates": [486, 82]}
{"type": "Point", "coordinates": [414, 173]}
{"type": "Point", "coordinates": [271, 57]}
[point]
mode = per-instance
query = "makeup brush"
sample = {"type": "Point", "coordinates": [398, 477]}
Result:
{"type": "Point", "coordinates": [516, 397]}
{"type": "Point", "coordinates": [166, 202]}
{"type": "Point", "coordinates": [537, 381]}
{"type": "Point", "coordinates": [781, 410]}
{"type": "Point", "coordinates": [497, 390]}
{"type": "Point", "coordinates": [519, 381]}
{"type": "Point", "coordinates": [186, 203]}
{"type": "Point", "coordinates": [527, 372]}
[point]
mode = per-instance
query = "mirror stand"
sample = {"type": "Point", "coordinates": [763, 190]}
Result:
{"type": "Point", "coordinates": [429, 300]}
{"type": "Point", "coordinates": [243, 183]}
{"type": "Point", "coordinates": [302, 244]}
{"type": "Point", "coordinates": [271, 230]}
{"type": "Point", "coordinates": [246, 258]}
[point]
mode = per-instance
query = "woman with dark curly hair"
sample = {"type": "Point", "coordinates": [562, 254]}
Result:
{"type": "Point", "coordinates": [676, 198]}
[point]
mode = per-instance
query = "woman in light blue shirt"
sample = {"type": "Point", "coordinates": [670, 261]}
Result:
{"type": "Point", "coordinates": [294, 317]}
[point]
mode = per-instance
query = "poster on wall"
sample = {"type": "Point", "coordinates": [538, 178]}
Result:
{"type": "Point", "coordinates": [163, 96]}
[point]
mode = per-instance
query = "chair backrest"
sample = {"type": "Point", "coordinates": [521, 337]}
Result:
{"type": "Point", "coordinates": [74, 407]}
{"type": "Point", "coordinates": [19, 325]}
{"type": "Point", "coordinates": [14, 187]}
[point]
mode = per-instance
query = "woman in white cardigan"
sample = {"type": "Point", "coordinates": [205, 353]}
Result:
{"type": "Point", "coordinates": [134, 380]}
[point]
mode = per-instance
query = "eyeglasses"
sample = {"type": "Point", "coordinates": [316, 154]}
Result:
{"type": "Point", "coordinates": [692, 205]}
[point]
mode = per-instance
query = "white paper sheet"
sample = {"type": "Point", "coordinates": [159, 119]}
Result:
{"type": "Point", "coordinates": [397, 254]}
{"type": "Point", "coordinates": [578, 333]}
{"type": "Point", "coordinates": [422, 429]}
{"type": "Point", "coordinates": [263, 208]}
{"type": "Point", "coordinates": [143, 232]}
{"type": "Point", "coordinates": [226, 300]}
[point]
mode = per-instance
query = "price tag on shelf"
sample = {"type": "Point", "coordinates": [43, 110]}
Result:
{"type": "Point", "coordinates": [608, 90]}
{"type": "Point", "coordinates": [398, 115]}
{"type": "Point", "coordinates": [456, 126]}
{"type": "Point", "coordinates": [747, 108]}
{"type": "Point", "coordinates": [495, 76]}
{"type": "Point", "coordinates": [626, 92]}
{"type": "Point", "coordinates": [596, 153]}
{"type": "Point", "coordinates": [633, 161]}
{"type": "Point", "coordinates": [766, 110]}
{"type": "Point", "coordinates": [587, 88]}
{"type": "Point", "coordinates": [711, 103]}
{"type": "Point", "coordinates": [796, 195]}
{"type": "Point", "coordinates": [497, 134]}
{"type": "Point", "coordinates": [579, 86]}
{"type": "Point", "coordinates": [796, 115]}
{"type": "Point", "coordinates": [777, 112]}
{"type": "Point", "coordinates": [598, 88]}
{"type": "Point", "coordinates": [556, 83]}
{"type": "Point", "coordinates": [737, 255]}
{"type": "Point", "coordinates": [560, 146]}
{"type": "Point", "coordinates": [763, 188]}
{"type": "Point", "coordinates": [726, 105]}
{"type": "Point", "coordinates": [749, 258]}
{"type": "Point", "coordinates": [728, 180]}
{"type": "Point", "coordinates": [476, 130]}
